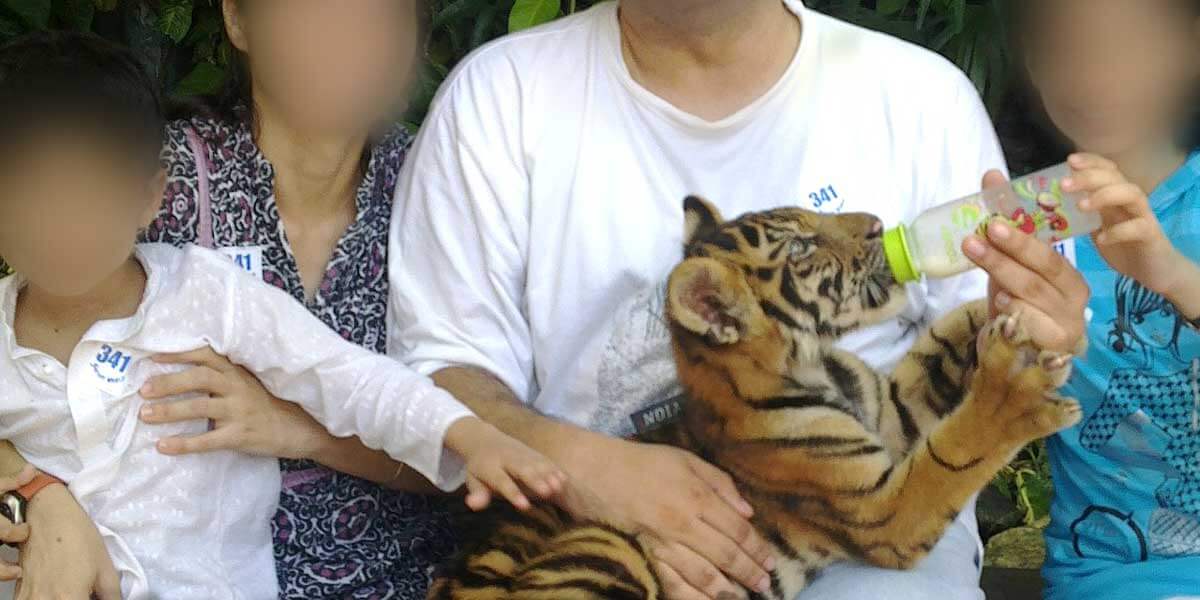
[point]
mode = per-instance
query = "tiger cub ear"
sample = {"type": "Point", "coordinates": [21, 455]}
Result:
{"type": "Point", "coordinates": [710, 299]}
{"type": "Point", "coordinates": [700, 218]}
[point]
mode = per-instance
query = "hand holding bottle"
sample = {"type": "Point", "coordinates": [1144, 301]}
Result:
{"type": "Point", "coordinates": [1130, 240]}
{"type": "Point", "coordinates": [1027, 276]}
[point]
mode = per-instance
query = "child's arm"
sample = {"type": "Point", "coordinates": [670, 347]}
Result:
{"type": "Point", "coordinates": [350, 390]}
{"type": "Point", "coordinates": [1131, 240]}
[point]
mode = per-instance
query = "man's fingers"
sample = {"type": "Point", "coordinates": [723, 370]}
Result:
{"type": "Point", "coordinates": [158, 413]}
{"type": "Point", "coordinates": [1010, 275]}
{"type": "Point", "coordinates": [722, 552]}
{"type": "Point", "coordinates": [695, 573]}
{"type": "Point", "coordinates": [218, 439]}
{"type": "Point", "coordinates": [1047, 332]}
{"type": "Point", "coordinates": [673, 585]}
{"type": "Point", "coordinates": [202, 357]}
{"type": "Point", "coordinates": [748, 542]}
{"type": "Point", "coordinates": [721, 483]}
{"type": "Point", "coordinates": [198, 380]}
{"type": "Point", "coordinates": [1035, 255]}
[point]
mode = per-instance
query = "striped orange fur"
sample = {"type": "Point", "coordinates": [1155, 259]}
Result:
{"type": "Point", "coordinates": [837, 460]}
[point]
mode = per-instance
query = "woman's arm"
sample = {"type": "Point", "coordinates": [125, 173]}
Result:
{"type": "Point", "coordinates": [249, 419]}
{"type": "Point", "coordinates": [350, 456]}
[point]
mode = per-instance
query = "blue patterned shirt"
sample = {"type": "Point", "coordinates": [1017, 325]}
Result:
{"type": "Point", "coordinates": [1126, 511]}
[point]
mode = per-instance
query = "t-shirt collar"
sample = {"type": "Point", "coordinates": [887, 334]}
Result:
{"type": "Point", "coordinates": [801, 63]}
{"type": "Point", "coordinates": [1183, 180]}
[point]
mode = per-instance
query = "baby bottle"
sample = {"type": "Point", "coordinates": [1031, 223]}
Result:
{"type": "Point", "coordinates": [1036, 204]}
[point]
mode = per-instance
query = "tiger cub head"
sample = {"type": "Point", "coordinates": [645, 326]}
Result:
{"type": "Point", "coordinates": [810, 276]}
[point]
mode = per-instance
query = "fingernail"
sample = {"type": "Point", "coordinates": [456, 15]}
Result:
{"type": "Point", "coordinates": [764, 585]}
{"type": "Point", "coordinates": [975, 247]}
{"type": "Point", "coordinates": [1068, 182]}
{"type": "Point", "coordinates": [147, 412]}
{"type": "Point", "coordinates": [146, 389]}
{"type": "Point", "coordinates": [999, 231]}
{"type": "Point", "coordinates": [770, 564]}
{"type": "Point", "coordinates": [1085, 204]}
{"type": "Point", "coordinates": [745, 508]}
{"type": "Point", "coordinates": [1003, 300]}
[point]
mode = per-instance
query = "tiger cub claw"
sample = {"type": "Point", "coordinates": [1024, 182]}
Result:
{"type": "Point", "coordinates": [1017, 382]}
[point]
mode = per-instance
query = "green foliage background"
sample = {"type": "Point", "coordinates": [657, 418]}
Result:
{"type": "Point", "coordinates": [181, 42]}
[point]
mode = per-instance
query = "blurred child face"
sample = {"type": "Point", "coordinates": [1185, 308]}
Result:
{"type": "Point", "coordinates": [1115, 73]}
{"type": "Point", "coordinates": [330, 66]}
{"type": "Point", "coordinates": [71, 208]}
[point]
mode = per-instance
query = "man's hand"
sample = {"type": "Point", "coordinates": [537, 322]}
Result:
{"type": "Point", "coordinates": [1029, 277]}
{"type": "Point", "coordinates": [64, 557]}
{"type": "Point", "coordinates": [686, 512]}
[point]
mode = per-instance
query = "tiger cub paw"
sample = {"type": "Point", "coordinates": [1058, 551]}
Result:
{"type": "Point", "coordinates": [1017, 382]}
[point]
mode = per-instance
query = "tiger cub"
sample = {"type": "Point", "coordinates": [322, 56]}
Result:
{"type": "Point", "coordinates": [838, 461]}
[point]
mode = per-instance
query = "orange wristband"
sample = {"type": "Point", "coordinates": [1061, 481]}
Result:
{"type": "Point", "coordinates": [40, 482]}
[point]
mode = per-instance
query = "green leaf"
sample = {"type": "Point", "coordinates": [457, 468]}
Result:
{"type": "Point", "coordinates": [531, 13]}
{"type": "Point", "coordinates": [76, 14]}
{"type": "Point", "coordinates": [1037, 491]}
{"type": "Point", "coordinates": [35, 13]}
{"type": "Point", "coordinates": [890, 7]}
{"type": "Point", "coordinates": [175, 19]}
{"type": "Point", "coordinates": [107, 5]}
{"type": "Point", "coordinates": [206, 79]}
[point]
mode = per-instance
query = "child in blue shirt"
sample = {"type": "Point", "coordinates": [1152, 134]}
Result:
{"type": "Point", "coordinates": [1119, 80]}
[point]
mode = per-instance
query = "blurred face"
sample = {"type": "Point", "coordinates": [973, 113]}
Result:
{"type": "Point", "coordinates": [330, 66]}
{"type": "Point", "coordinates": [70, 210]}
{"type": "Point", "coordinates": [1114, 74]}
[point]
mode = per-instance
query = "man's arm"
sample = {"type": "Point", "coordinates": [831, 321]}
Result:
{"type": "Point", "coordinates": [686, 511]}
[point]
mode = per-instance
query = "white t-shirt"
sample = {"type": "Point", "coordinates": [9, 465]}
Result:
{"type": "Point", "coordinates": [542, 204]}
{"type": "Point", "coordinates": [198, 526]}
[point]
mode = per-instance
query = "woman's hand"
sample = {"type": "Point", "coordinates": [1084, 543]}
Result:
{"type": "Point", "coordinates": [1029, 277]}
{"type": "Point", "coordinates": [64, 556]}
{"type": "Point", "coordinates": [13, 534]}
{"type": "Point", "coordinates": [1131, 240]}
{"type": "Point", "coordinates": [245, 416]}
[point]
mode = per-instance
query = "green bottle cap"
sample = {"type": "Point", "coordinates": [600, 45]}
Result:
{"type": "Point", "coordinates": [895, 248]}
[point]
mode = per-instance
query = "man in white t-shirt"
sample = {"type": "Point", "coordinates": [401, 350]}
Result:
{"type": "Point", "coordinates": [542, 208]}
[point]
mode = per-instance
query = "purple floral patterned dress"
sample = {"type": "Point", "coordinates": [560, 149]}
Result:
{"type": "Point", "coordinates": [336, 536]}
